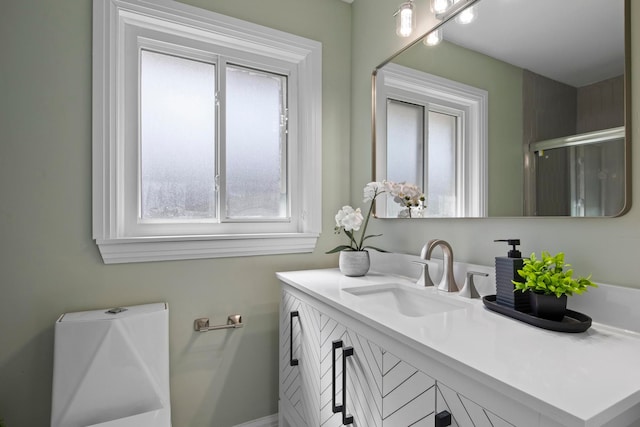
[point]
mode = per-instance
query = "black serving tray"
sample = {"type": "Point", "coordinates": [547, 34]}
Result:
{"type": "Point", "coordinates": [572, 322]}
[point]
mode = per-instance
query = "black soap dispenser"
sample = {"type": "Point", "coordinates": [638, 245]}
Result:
{"type": "Point", "coordinates": [506, 271]}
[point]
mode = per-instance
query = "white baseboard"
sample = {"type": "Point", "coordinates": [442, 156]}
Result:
{"type": "Point", "coordinates": [269, 421]}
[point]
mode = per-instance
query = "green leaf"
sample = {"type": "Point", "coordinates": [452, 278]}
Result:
{"type": "Point", "coordinates": [339, 248]}
{"type": "Point", "coordinates": [547, 275]}
{"type": "Point", "coordinates": [374, 248]}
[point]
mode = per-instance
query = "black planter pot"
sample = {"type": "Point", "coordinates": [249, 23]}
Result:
{"type": "Point", "coordinates": [548, 306]}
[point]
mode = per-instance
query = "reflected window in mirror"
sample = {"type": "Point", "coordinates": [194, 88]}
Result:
{"type": "Point", "coordinates": [431, 132]}
{"type": "Point", "coordinates": [405, 158]}
{"type": "Point", "coordinates": [430, 162]}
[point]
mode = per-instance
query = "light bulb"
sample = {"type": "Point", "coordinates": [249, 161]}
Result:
{"type": "Point", "coordinates": [433, 38]}
{"type": "Point", "coordinates": [405, 19]}
{"type": "Point", "coordinates": [440, 6]}
{"type": "Point", "coordinates": [467, 16]}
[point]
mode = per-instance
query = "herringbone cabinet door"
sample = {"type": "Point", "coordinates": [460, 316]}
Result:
{"type": "Point", "coordinates": [408, 394]}
{"type": "Point", "coordinates": [363, 377]}
{"type": "Point", "coordinates": [465, 412]}
{"type": "Point", "coordinates": [300, 340]}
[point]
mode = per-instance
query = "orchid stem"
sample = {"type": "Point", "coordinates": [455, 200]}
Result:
{"type": "Point", "coordinates": [366, 221]}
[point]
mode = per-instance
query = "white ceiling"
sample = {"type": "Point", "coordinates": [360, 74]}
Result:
{"type": "Point", "coordinates": [576, 42]}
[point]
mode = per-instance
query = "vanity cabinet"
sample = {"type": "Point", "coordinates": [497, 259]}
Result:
{"type": "Point", "coordinates": [408, 361]}
{"type": "Point", "coordinates": [319, 355]}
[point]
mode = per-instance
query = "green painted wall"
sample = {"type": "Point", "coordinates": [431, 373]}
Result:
{"type": "Point", "coordinates": [49, 264]}
{"type": "Point", "coordinates": [606, 247]}
{"type": "Point", "coordinates": [503, 83]}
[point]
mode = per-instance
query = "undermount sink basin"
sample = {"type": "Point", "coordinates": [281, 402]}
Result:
{"type": "Point", "coordinates": [404, 300]}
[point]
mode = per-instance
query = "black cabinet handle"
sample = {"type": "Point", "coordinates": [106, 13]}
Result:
{"type": "Point", "coordinates": [336, 345]}
{"type": "Point", "coordinates": [292, 361]}
{"type": "Point", "coordinates": [443, 419]}
{"type": "Point", "coordinates": [346, 419]}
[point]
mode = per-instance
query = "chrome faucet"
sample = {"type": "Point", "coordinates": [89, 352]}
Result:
{"type": "Point", "coordinates": [448, 282]}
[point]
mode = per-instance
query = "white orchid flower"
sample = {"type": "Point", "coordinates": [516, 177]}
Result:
{"type": "Point", "coordinates": [373, 189]}
{"type": "Point", "coordinates": [349, 218]}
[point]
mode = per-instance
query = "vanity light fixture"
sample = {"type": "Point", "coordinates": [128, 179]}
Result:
{"type": "Point", "coordinates": [439, 7]}
{"type": "Point", "coordinates": [443, 9]}
{"type": "Point", "coordinates": [452, 7]}
{"type": "Point", "coordinates": [467, 16]}
{"type": "Point", "coordinates": [433, 38]}
{"type": "Point", "coordinates": [405, 19]}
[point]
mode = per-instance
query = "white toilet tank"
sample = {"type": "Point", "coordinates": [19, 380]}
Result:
{"type": "Point", "coordinates": [111, 368]}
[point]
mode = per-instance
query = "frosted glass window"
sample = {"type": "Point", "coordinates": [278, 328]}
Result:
{"type": "Point", "coordinates": [405, 155]}
{"type": "Point", "coordinates": [256, 149]}
{"type": "Point", "coordinates": [177, 130]}
{"type": "Point", "coordinates": [408, 151]}
{"type": "Point", "coordinates": [441, 194]}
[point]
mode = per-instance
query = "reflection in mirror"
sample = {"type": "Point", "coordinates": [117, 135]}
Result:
{"type": "Point", "coordinates": [523, 111]}
{"type": "Point", "coordinates": [434, 136]}
{"type": "Point", "coordinates": [593, 185]}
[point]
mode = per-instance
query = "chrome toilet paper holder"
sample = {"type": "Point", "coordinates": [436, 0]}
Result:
{"type": "Point", "coordinates": [202, 324]}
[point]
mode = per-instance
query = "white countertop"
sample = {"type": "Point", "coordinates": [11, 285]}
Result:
{"type": "Point", "coordinates": [590, 377]}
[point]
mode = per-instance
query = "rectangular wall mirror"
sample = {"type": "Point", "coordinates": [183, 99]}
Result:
{"type": "Point", "coordinates": [524, 111]}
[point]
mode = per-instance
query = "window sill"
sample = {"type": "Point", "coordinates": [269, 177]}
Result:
{"type": "Point", "coordinates": [146, 249]}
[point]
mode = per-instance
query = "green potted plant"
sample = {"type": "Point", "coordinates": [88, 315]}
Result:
{"type": "Point", "coordinates": [550, 284]}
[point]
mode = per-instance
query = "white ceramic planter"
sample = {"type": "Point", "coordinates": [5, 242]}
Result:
{"type": "Point", "coordinates": [354, 263]}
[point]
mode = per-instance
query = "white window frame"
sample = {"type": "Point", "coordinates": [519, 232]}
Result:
{"type": "Point", "coordinates": [468, 103]}
{"type": "Point", "coordinates": [122, 25]}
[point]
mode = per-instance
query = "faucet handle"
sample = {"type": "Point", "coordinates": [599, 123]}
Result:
{"type": "Point", "coordinates": [469, 289]}
{"type": "Point", "coordinates": [425, 277]}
